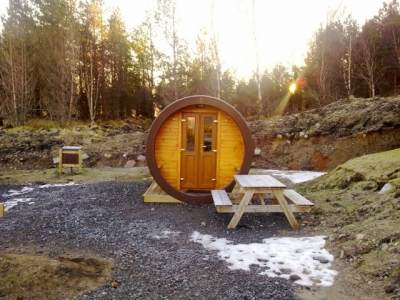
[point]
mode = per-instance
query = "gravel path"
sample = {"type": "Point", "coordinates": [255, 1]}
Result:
{"type": "Point", "coordinates": [150, 243]}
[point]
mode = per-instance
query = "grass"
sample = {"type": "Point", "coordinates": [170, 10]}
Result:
{"type": "Point", "coordinates": [347, 199]}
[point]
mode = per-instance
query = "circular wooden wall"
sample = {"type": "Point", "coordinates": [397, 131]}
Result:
{"type": "Point", "coordinates": [235, 146]}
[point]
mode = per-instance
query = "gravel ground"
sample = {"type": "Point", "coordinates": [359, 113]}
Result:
{"type": "Point", "coordinates": [149, 243]}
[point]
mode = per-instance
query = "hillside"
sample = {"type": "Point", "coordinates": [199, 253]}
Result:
{"type": "Point", "coordinates": [358, 206]}
{"type": "Point", "coordinates": [318, 140]}
{"type": "Point", "coordinates": [324, 138]}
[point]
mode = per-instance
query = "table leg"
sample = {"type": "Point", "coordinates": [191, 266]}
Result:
{"type": "Point", "coordinates": [286, 209]}
{"type": "Point", "coordinates": [241, 208]}
{"type": "Point", "coordinates": [261, 196]}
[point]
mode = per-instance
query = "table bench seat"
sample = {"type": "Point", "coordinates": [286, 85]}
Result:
{"type": "Point", "coordinates": [221, 198]}
{"type": "Point", "coordinates": [296, 198]}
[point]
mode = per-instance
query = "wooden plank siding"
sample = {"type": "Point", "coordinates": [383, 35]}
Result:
{"type": "Point", "coordinates": [231, 148]}
{"type": "Point", "coordinates": [167, 149]}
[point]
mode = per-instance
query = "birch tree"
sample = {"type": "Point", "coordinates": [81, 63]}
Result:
{"type": "Point", "coordinates": [90, 69]}
{"type": "Point", "coordinates": [16, 61]}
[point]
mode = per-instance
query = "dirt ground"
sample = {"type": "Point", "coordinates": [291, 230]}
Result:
{"type": "Point", "coordinates": [85, 272]}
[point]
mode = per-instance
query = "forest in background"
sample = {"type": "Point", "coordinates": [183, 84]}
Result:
{"type": "Point", "coordinates": [62, 59]}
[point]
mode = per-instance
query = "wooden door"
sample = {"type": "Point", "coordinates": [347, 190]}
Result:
{"type": "Point", "coordinates": [198, 153]}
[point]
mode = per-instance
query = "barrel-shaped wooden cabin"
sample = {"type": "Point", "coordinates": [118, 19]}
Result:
{"type": "Point", "coordinates": [197, 144]}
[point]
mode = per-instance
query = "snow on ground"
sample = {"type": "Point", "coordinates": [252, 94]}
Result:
{"type": "Point", "coordinates": [294, 176]}
{"type": "Point", "coordinates": [11, 200]}
{"type": "Point", "coordinates": [279, 257]}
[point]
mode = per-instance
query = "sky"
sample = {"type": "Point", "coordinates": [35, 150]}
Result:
{"type": "Point", "coordinates": [283, 27]}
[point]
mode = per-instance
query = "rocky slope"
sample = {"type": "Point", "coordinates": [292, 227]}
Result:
{"type": "Point", "coordinates": [358, 206]}
{"type": "Point", "coordinates": [324, 138]}
{"type": "Point", "coordinates": [320, 139]}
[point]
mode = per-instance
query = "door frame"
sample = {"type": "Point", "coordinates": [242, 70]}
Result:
{"type": "Point", "coordinates": [200, 112]}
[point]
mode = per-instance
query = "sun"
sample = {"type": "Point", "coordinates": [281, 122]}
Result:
{"type": "Point", "coordinates": [292, 88]}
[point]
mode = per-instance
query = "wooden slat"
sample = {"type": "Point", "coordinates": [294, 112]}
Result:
{"type": "Point", "coordinates": [262, 208]}
{"type": "Point", "coordinates": [296, 198]}
{"type": "Point", "coordinates": [240, 210]}
{"type": "Point", "coordinates": [221, 198]}
{"type": "Point", "coordinates": [285, 208]}
{"type": "Point", "coordinates": [155, 194]}
{"type": "Point", "coordinates": [258, 181]}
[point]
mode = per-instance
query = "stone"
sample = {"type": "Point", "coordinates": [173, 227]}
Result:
{"type": "Point", "coordinates": [130, 164]}
{"type": "Point", "coordinates": [141, 158]}
{"type": "Point", "coordinates": [386, 189]}
{"type": "Point", "coordinates": [360, 236]}
{"type": "Point", "coordinates": [294, 277]}
{"type": "Point", "coordinates": [341, 254]}
{"type": "Point", "coordinates": [321, 259]}
{"type": "Point", "coordinates": [107, 155]}
{"type": "Point", "coordinates": [390, 289]}
{"type": "Point", "coordinates": [384, 247]}
{"type": "Point", "coordinates": [85, 156]}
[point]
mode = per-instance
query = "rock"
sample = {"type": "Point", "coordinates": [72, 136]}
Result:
{"type": "Point", "coordinates": [294, 277]}
{"type": "Point", "coordinates": [114, 284]}
{"type": "Point", "coordinates": [321, 259]}
{"type": "Point", "coordinates": [386, 189]}
{"type": "Point", "coordinates": [279, 136]}
{"type": "Point", "coordinates": [130, 164]}
{"type": "Point", "coordinates": [85, 156]}
{"type": "Point", "coordinates": [341, 254]}
{"type": "Point", "coordinates": [56, 160]}
{"type": "Point", "coordinates": [141, 158]}
{"type": "Point", "coordinates": [390, 289]}
{"type": "Point", "coordinates": [360, 236]}
{"type": "Point", "coordinates": [384, 247]}
{"type": "Point", "coordinates": [107, 155]}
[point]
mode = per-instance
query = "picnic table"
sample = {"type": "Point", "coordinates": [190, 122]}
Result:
{"type": "Point", "coordinates": [263, 187]}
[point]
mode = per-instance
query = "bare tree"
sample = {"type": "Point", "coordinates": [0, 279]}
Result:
{"type": "Point", "coordinates": [16, 60]}
{"type": "Point", "coordinates": [167, 19]}
{"type": "Point", "coordinates": [89, 71]}
{"type": "Point", "coordinates": [368, 68]}
{"type": "Point", "coordinates": [215, 54]}
{"type": "Point", "coordinates": [257, 70]}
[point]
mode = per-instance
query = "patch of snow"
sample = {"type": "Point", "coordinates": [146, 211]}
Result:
{"type": "Point", "coordinates": [279, 257]}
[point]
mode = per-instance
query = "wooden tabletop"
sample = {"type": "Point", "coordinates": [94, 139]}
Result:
{"type": "Point", "coordinates": [258, 181]}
